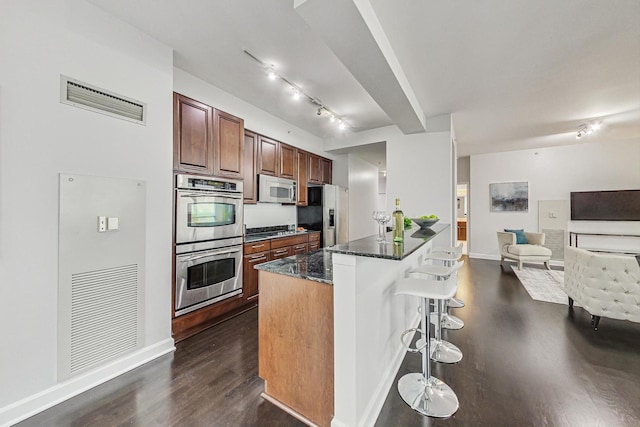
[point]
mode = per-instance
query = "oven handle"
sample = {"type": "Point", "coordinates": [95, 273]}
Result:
{"type": "Point", "coordinates": [208, 254]}
{"type": "Point", "coordinates": [211, 194]}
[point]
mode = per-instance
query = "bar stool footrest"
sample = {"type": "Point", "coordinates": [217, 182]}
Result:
{"type": "Point", "coordinates": [419, 347]}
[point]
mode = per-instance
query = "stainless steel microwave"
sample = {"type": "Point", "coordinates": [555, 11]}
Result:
{"type": "Point", "coordinates": [272, 189]}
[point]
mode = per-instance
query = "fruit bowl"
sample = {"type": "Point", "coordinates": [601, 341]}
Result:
{"type": "Point", "coordinates": [425, 222]}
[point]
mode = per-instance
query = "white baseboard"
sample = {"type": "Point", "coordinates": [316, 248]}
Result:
{"type": "Point", "coordinates": [45, 399]}
{"type": "Point", "coordinates": [492, 257]}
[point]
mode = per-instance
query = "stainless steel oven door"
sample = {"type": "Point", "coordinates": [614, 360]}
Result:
{"type": "Point", "coordinates": [206, 277]}
{"type": "Point", "coordinates": [206, 215]}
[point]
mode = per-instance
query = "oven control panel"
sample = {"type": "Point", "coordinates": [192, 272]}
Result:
{"type": "Point", "coordinates": [194, 182]}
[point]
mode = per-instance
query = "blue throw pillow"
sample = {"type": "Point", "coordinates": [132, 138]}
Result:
{"type": "Point", "coordinates": [521, 239]}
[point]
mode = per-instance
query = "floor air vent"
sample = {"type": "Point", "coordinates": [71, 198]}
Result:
{"type": "Point", "coordinates": [104, 315]}
{"type": "Point", "coordinates": [89, 97]}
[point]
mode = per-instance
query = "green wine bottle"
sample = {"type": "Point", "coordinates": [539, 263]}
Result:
{"type": "Point", "coordinates": [398, 224]}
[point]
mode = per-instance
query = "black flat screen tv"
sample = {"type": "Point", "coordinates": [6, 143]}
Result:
{"type": "Point", "coordinates": [622, 205]}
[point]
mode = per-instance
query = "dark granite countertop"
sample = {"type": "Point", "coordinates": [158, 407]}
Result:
{"type": "Point", "coordinates": [316, 266]}
{"type": "Point", "coordinates": [248, 238]}
{"type": "Point", "coordinates": [368, 247]}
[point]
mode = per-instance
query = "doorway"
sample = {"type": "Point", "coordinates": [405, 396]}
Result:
{"type": "Point", "coordinates": [462, 216]}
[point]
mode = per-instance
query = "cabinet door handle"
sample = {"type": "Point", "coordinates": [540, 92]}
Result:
{"type": "Point", "coordinates": [260, 258]}
{"type": "Point", "coordinates": [257, 246]}
{"type": "Point", "coordinates": [281, 251]}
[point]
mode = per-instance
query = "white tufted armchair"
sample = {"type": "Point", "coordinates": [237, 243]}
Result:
{"type": "Point", "coordinates": [530, 252]}
{"type": "Point", "coordinates": [605, 285]}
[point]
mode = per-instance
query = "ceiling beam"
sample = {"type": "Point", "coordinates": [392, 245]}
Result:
{"type": "Point", "coordinates": [351, 29]}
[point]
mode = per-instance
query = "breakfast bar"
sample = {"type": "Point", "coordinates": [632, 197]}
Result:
{"type": "Point", "coordinates": [329, 326]}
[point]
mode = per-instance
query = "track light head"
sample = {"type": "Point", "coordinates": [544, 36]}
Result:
{"type": "Point", "coordinates": [297, 92]}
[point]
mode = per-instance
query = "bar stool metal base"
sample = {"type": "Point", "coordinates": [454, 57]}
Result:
{"type": "Point", "coordinates": [432, 398]}
{"type": "Point", "coordinates": [449, 321]}
{"type": "Point", "coordinates": [442, 351]}
{"type": "Point", "coordinates": [455, 303]}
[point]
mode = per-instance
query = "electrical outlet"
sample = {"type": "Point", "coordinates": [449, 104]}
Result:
{"type": "Point", "coordinates": [102, 224]}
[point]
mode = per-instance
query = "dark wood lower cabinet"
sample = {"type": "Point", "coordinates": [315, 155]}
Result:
{"type": "Point", "coordinates": [250, 274]}
{"type": "Point", "coordinates": [281, 253]}
{"type": "Point", "coordinates": [300, 249]}
{"type": "Point", "coordinates": [197, 321]}
{"type": "Point", "coordinates": [462, 230]}
{"type": "Point", "coordinates": [254, 253]}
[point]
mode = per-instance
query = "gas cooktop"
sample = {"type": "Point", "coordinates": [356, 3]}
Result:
{"type": "Point", "coordinates": [276, 230]}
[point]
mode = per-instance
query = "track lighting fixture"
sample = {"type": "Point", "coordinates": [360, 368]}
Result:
{"type": "Point", "coordinates": [587, 129]}
{"type": "Point", "coordinates": [297, 93]}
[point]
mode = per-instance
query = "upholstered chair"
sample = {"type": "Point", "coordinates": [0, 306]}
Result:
{"type": "Point", "coordinates": [533, 251]}
{"type": "Point", "coordinates": [603, 284]}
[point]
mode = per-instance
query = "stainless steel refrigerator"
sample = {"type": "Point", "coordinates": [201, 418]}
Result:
{"type": "Point", "coordinates": [328, 212]}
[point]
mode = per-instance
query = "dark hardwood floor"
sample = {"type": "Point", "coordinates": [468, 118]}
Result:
{"type": "Point", "coordinates": [526, 363]}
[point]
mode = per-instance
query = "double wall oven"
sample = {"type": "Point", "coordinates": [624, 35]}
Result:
{"type": "Point", "coordinates": [208, 233]}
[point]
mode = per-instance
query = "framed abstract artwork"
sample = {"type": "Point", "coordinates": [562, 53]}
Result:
{"type": "Point", "coordinates": [509, 196]}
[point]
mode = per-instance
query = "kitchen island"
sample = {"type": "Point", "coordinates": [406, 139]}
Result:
{"type": "Point", "coordinates": [330, 325]}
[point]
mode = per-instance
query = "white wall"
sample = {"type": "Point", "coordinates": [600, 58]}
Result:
{"type": "Point", "coordinates": [269, 214]}
{"type": "Point", "coordinates": [419, 172]}
{"type": "Point", "coordinates": [39, 138]}
{"type": "Point", "coordinates": [420, 167]}
{"type": "Point", "coordinates": [552, 173]}
{"type": "Point", "coordinates": [363, 198]}
{"type": "Point", "coordinates": [340, 170]}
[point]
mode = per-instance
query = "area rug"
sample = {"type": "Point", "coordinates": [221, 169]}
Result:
{"type": "Point", "coordinates": [542, 285]}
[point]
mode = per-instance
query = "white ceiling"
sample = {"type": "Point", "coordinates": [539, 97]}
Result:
{"type": "Point", "coordinates": [515, 74]}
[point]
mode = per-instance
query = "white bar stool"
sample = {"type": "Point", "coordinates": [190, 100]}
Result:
{"type": "Point", "coordinates": [441, 351]}
{"type": "Point", "coordinates": [454, 250]}
{"type": "Point", "coordinates": [424, 393]}
{"type": "Point", "coordinates": [449, 321]}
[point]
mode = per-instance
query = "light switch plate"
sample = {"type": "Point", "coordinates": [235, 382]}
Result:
{"type": "Point", "coordinates": [102, 224]}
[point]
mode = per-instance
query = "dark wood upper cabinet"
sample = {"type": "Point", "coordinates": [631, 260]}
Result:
{"type": "Point", "coordinates": [303, 165]}
{"type": "Point", "coordinates": [326, 166]}
{"type": "Point", "coordinates": [288, 162]}
{"type": "Point", "coordinates": [228, 145]}
{"type": "Point", "coordinates": [315, 170]}
{"type": "Point", "coordinates": [249, 167]}
{"type": "Point", "coordinates": [267, 156]}
{"type": "Point", "coordinates": [192, 135]}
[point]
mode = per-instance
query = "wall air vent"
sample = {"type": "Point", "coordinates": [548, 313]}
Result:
{"type": "Point", "coordinates": [79, 94]}
{"type": "Point", "coordinates": [104, 315]}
